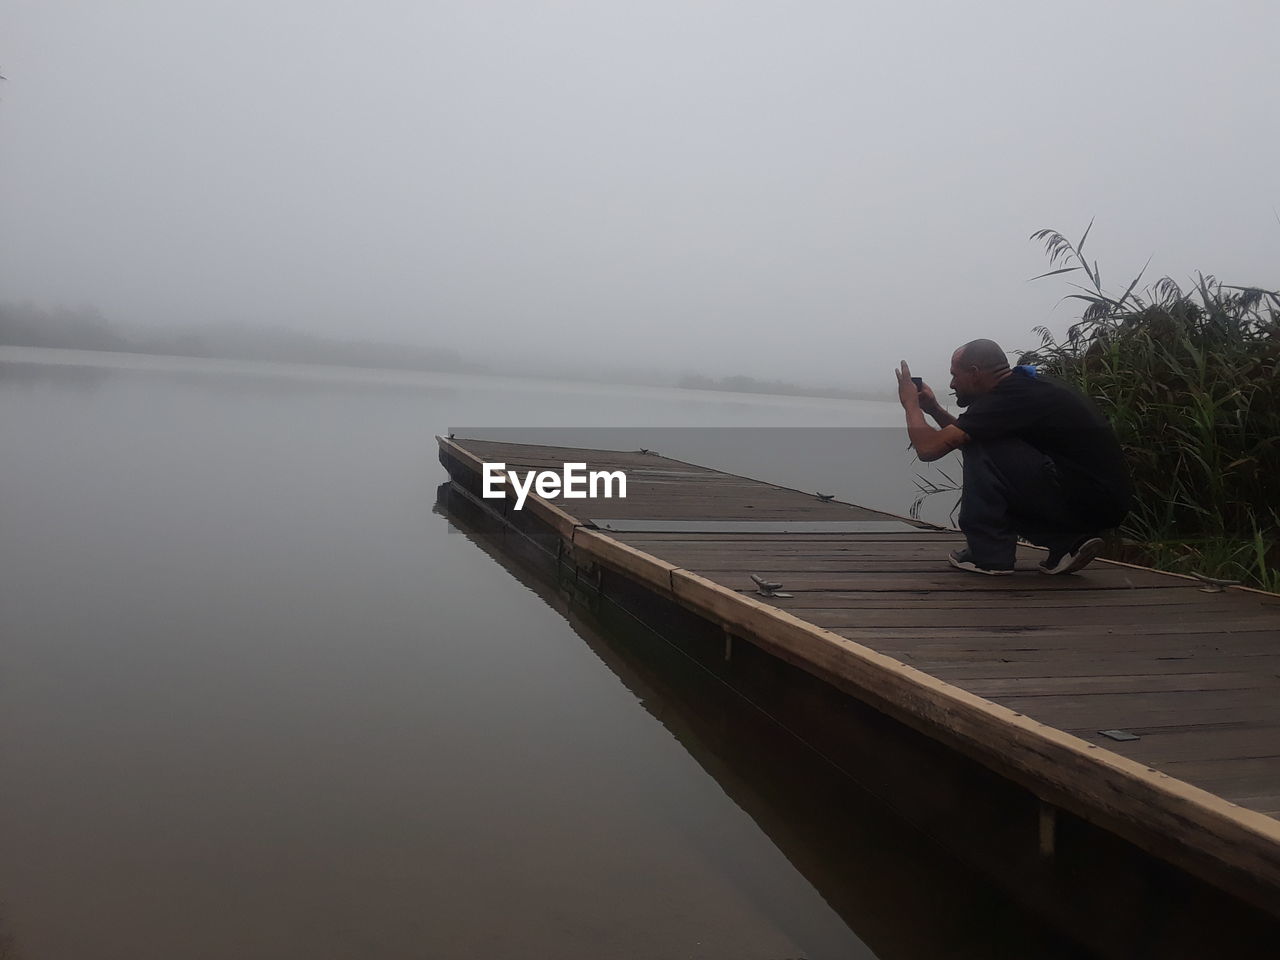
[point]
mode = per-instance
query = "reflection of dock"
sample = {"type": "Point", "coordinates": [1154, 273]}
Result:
{"type": "Point", "coordinates": [1018, 674]}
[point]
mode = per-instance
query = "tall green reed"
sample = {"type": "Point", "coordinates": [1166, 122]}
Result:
{"type": "Point", "coordinates": [1190, 379]}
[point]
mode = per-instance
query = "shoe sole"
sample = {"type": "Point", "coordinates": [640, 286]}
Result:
{"type": "Point", "coordinates": [974, 568]}
{"type": "Point", "coordinates": [1085, 555]}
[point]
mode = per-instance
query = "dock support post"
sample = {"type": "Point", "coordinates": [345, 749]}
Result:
{"type": "Point", "coordinates": [728, 646]}
{"type": "Point", "coordinates": [1048, 829]}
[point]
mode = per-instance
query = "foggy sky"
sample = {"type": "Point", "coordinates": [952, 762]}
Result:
{"type": "Point", "coordinates": [795, 190]}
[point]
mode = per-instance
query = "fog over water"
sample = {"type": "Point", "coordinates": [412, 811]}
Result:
{"type": "Point", "coordinates": [806, 192]}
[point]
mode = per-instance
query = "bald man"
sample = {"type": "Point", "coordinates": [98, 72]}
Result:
{"type": "Point", "coordinates": [1040, 461]}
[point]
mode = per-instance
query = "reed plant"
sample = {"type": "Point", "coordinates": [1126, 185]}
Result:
{"type": "Point", "coordinates": [1190, 379]}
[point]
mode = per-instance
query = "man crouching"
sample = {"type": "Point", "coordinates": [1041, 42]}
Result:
{"type": "Point", "coordinates": [1040, 461]}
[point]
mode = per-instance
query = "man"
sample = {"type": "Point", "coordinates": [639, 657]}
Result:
{"type": "Point", "coordinates": [1040, 461]}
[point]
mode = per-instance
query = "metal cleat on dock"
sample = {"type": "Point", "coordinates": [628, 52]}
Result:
{"type": "Point", "coordinates": [769, 588]}
{"type": "Point", "coordinates": [1213, 584]}
{"type": "Point", "coordinates": [825, 497]}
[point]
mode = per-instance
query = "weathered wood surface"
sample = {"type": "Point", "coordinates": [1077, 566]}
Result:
{"type": "Point", "coordinates": [1022, 672]}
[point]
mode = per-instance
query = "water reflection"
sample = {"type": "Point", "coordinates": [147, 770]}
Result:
{"type": "Point", "coordinates": [875, 870]}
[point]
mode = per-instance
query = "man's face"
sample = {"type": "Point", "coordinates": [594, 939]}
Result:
{"type": "Point", "coordinates": [964, 381]}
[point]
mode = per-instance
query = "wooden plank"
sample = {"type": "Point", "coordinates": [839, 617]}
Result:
{"type": "Point", "coordinates": [1074, 663]}
{"type": "Point", "coordinates": [635, 508]}
{"type": "Point", "coordinates": [853, 566]}
{"type": "Point", "coordinates": [1153, 639]}
{"type": "Point", "coordinates": [1052, 686]}
{"type": "Point", "coordinates": [661, 540]}
{"type": "Point", "coordinates": [1246, 740]}
{"type": "Point", "coordinates": [881, 550]}
{"type": "Point", "coordinates": [1268, 804]}
{"type": "Point", "coordinates": [963, 666]}
{"type": "Point", "coordinates": [1134, 620]}
{"type": "Point", "coordinates": [1045, 601]}
{"type": "Point", "coordinates": [901, 581]}
{"type": "Point", "coordinates": [1107, 711]}
{"type": "Point", "coordinates": [1262, 769]}
{"type": "Point", "coordinates": [1239, 777]}
{"type": "Point", "coordinates": [944, 579]}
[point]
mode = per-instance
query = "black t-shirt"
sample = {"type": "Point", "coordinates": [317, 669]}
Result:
{"type": "Point", "coordinates": [1065, 426]}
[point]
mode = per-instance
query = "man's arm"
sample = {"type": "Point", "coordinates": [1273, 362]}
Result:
{"type": "Point", "coordinates": [930, 405]}
{"type": "Point", "coordinates": [930, 444]}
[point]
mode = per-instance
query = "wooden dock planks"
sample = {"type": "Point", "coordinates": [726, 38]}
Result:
{"type": "Point", "coordinates": [1020, 672]}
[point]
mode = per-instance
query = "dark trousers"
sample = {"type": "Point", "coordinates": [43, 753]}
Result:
{"type": "Point", "coordinates": [1012, 490]}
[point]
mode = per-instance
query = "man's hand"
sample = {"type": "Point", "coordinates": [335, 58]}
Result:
{"type": "Point", "coordinates": [908, 395]}
{"type": "Point", "coordinates": [928, 402]}
{"type": "Point", "coordinates": [930, 444]}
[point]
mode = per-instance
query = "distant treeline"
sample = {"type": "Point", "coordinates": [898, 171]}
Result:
{"type": "Point", "coordinates": [741, 384]}
{"type": "Point", "coordinates": [24, 325]}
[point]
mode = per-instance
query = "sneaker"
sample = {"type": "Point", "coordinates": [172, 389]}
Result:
{"type": "Point", "coordinates": [963, 560]}
{"type": "Point", "coordinates": [1079, 556]}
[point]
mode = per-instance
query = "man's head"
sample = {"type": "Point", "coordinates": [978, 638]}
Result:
{"type": "Point", "coordinates": [976, 368]}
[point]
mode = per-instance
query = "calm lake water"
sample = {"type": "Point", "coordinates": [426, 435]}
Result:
{"type": "Point", "coordinates": [258, 699]}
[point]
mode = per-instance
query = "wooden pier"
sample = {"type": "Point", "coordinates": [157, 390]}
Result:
{"type": "Point", "coordinates": [1032, 677]}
